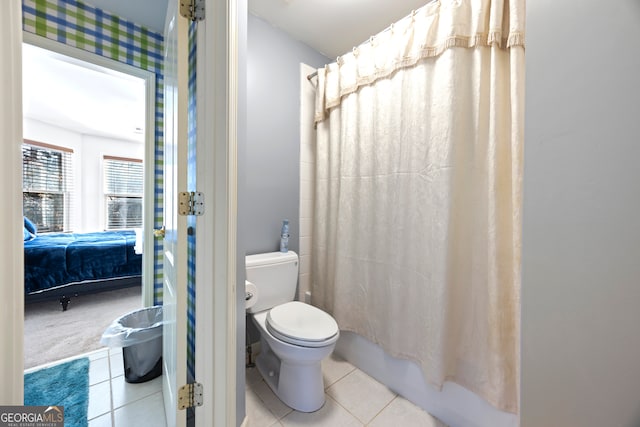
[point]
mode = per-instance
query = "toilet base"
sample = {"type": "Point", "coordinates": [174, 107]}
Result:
{"type": "Point", "coordinates": [299, 385]}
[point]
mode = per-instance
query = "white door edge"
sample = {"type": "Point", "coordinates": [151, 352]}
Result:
{"type": "Point", "coordinates": [174, 297]}
{"type": "Point", "coordinates": [217, 97]}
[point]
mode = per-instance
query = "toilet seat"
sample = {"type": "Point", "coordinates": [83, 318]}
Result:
{"type": "Point", "coordinates": [301, 324]}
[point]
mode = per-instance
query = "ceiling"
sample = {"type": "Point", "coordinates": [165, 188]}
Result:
{"type": "Point", "coordinates": [82, 97]}
{"type": "Point", "coordinates": [333, 27]}
{"type": "Point", "coordinates": [148, 13]}
{"type": "Point", "coordinates": [78, 98]}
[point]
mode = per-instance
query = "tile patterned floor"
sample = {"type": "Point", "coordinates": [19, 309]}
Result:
{"type": "Point", "coordinates": [116, 403]}
{"type": "Point", "coordinates": [352, 399]}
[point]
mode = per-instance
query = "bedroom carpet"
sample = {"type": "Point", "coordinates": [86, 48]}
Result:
{"type": "Point", "coordinates": [64, 385]}
{"type": "Point", "coordinates": [51, 334]}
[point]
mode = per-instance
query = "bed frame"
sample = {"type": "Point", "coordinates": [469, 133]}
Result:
{"type": "Point", "coordinates": [62, 265]}
{"type": "Point", "coordinates": [64, 293]}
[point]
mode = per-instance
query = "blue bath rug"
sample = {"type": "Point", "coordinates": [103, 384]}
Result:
{"type": "Point", "coordinates": [65, 385]}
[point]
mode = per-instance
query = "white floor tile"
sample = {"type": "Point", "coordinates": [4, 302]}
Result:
{"type": "Point", "coordinates": [257, 412]}
{"type": "Point", "coordinates": [144, 412]}
{"type": "Point", "coordinates": [98, 354]}
{"type": "Point", "coordinates": [124, 392]}
{"type": "Point", "coordinates": [99, 400]}
{"type": "Point", "coordinates": [334, 368]}
{"type": "Point", "coordinates": [117, 365]}
{"type": "Point", "coordinates": [114, 402]}
{"type": "Point", "coordinates": [353, 400]}
{"type": "Point", "coordinates": [101, 421]}
{"type": "Point", "coordinates": [270, 400]}
{"type": "Point", "coordinates": [99, 371]}
{"type": "Point", "coordinates": [361, 395]}
{"type": "Point", "coordinates": [330, 415]}
{"type": "Point", "coordinates": [401, 412]}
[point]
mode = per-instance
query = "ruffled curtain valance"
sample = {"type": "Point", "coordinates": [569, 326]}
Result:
{"type": "Point", "coordinates": [425, 33]}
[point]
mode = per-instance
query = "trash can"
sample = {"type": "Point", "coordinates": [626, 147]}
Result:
{"type": "Point", "coordinates": [139, 333]}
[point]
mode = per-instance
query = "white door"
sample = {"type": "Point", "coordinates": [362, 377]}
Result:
{"type": "Point", "coordinates": [175, 239]}
{"type": "Point", "coordinates": [217, 77]}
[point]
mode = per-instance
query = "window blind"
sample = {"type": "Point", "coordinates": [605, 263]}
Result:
{"type": "Point", "coordinates": [123, 188]}
{"type": "Point", "coordinates": [47, 186]}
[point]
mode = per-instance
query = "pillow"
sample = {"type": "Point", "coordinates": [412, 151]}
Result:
{"type": "Point", "coordinates": [27, 235]}
{"type": "Point", "coordinates": [30, 226]}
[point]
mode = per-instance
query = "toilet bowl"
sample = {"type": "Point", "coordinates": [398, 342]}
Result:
{"type": "Point", "coordinates": [294, 336]}
{"type": "Point", "coordinates": [290, 363]}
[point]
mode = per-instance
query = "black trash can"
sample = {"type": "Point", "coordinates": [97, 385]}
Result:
{"type": "Point", "coordinates": [139, 333]}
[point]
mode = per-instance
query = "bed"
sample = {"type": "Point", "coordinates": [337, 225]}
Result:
{"type": "Point", "coordinates": [63, 264]}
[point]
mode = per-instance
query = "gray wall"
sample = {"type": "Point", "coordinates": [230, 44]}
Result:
{"type": "Point", "coordinates": [268, 154]}
{"type": "Point", "coordinates": [272, 152]}
{"type": "Point", "coordinates": [581, 231]}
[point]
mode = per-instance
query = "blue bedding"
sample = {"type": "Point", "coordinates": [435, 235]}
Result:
{"type": "Point", "coordinates": [57, 259]}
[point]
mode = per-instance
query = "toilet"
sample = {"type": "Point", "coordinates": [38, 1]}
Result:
{"type": "Point", "coordinates": [294, 336]}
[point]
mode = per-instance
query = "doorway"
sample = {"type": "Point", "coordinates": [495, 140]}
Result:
{"type": "Point", "coordinates": [103, 111]}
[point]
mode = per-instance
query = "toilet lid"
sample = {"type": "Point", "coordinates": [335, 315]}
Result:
{"type": "Point", "coordinates": [297, 322]}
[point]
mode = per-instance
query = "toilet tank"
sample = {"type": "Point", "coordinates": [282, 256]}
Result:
{"type": "Point", "coordinates": [275, 275]}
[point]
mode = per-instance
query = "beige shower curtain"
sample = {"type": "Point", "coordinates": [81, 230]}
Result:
{"type": "Point", "coordinates": [417, 234]}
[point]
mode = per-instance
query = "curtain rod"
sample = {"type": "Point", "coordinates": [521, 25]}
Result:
{"type": "Point", "coordinates": [312, 75]}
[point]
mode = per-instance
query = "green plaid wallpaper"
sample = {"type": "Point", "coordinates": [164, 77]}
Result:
{"type": "Point", "coordinates": [88, 28]}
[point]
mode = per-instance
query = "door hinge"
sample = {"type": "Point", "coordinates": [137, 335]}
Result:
{"type": "Point", "coordinates": [193, 10]}
{"type": "Point", "coordinates": [189, 396]}
{"type": "Point", "coordinates": [191, 203]}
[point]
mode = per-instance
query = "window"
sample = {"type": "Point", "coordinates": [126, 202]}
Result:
{"type": "Point", "coordinates": [47, 186]}
{"type": "Point", "coordinates": [123, 181]}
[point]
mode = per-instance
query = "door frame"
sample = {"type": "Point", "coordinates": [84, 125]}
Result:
{"type": "Point", "coordinates": [11, 258]}
{"type": "Point", "coordinates": [149, 78]}
{"type": "Point", "coordinates": [216, 303]}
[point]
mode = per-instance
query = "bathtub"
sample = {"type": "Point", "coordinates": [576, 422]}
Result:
{"type": "Point", "coordinates": [454, 405]}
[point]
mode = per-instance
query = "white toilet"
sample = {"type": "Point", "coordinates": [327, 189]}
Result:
{"type": "Point", "coordinates": [294, 336]}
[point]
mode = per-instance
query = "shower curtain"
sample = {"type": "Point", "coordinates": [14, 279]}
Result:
{"type": "Point", "coordinates": [417, 233]}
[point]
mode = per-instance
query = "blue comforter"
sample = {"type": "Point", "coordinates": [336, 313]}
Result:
{"type": "Point", "coordinates": [57, 259]}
